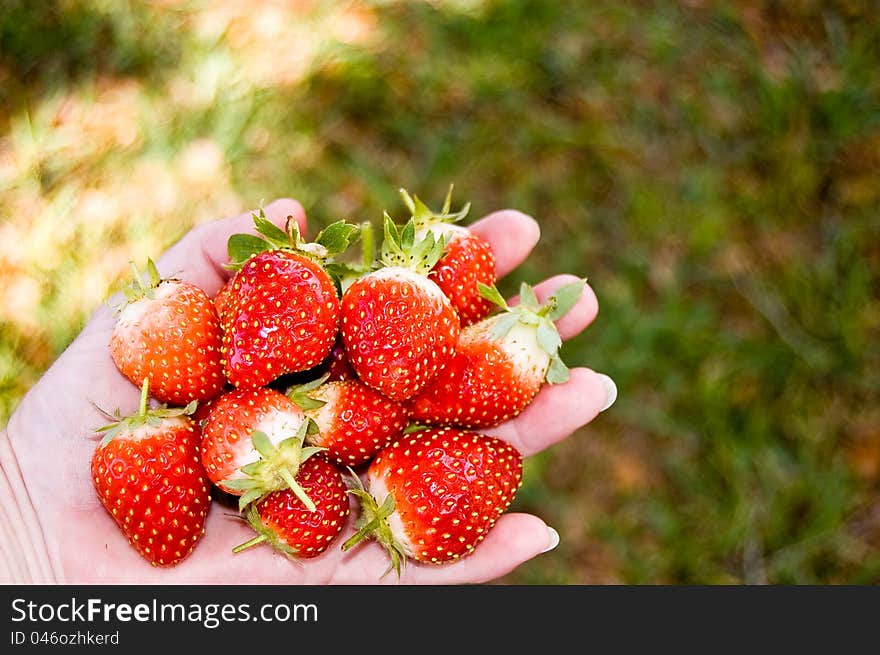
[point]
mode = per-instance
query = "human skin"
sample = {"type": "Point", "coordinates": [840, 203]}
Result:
{"type": "Point", "coordinates": [53, 528]}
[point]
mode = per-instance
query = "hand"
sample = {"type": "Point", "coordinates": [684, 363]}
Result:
{"type": "Point", "coordinates": [60, 531]}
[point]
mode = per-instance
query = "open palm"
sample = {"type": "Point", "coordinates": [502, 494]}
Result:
{"type": "Point", "coordinates": [51, 438]}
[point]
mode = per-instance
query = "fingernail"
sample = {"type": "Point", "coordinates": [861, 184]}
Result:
{"type": "Point", "coordinates": [554, 540]}
{"type": "Point", "coordinates": [610, 391]}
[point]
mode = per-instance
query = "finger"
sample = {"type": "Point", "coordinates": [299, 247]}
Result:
{"type": "Point", "coordinates": [200, 255]}
{"type": "Point", "coordinates": [578, 317]}
{"type": "Point", "coordinates": [511, 234]}
{"type": "Point", "coordinates": [515, 538]}
{"type": "Point", "coordinates": [557, 411]}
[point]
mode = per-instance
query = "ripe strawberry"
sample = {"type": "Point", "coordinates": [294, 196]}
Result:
{"type": "Point", "coordinates": [467, 258]}
{"type": "Point", "coordinates": [499, 363]}
{"type": "Point", "coordinates": [433, 495]}
{"type": "Point", "coordinates": [280, 312]}
{"type": "Point", "coordinates": [252, 444]}
{"type": "Point", "coordinates": [168, 332]}
{"type": "Point", "coordinates": [147, 474]}
{"type": "Point", "coordinates": [288, 526]}
{"type": "Point", "coordinates": [354, 422]}
{"type": "Point", "coordinates": [397, 326]}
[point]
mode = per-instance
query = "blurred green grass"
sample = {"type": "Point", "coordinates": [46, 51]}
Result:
{"type": "Point", "coordinates": [712, 167]}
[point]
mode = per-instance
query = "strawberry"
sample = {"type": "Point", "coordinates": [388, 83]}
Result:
{"type": "Point", "coordinates": [499, 363]}
{"type": "Point", "coordinates": [467, 258]}
{"type": "Point", "coordinates": [433, 495]}
{"type": "Point", "coordinates": [397, 326]}
{"type": "Point", "coordinates": [354, 422]}
{"type": "Point", "coordinates": [168, 332]}
{"type": "Point", "coordinates": [252, 444]}
{"type": "Point", "coordinates": [280, 312]}
{"type": "Point", "coordinates": [147, 474]}
{"type": "Point", "coordinates": [287, 525]}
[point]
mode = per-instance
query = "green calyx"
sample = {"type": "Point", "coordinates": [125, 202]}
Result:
{"type": "Point", "coordinates": [347, 272]}
{"type": "Point", "coordinates": [138, 287]}
{"type": "Point", "coordinates": [264, 535]}
{"type": "Point", "coordinates": [333, 240]}
{"type": "Point", "coordinates": [144, 416]}
{"type": "Point", "coordinates": [373, 524]}
{"type": "Point", "coordinates": [530, 312]}
{"type": "Point", "coordinates": [277, 467]}
{"type": "Point", "coordinates": [401, 248]}
{"type": "Point", "coordinates": [299, 394]}
{"type": "Point", "coordinates": [424, 217]}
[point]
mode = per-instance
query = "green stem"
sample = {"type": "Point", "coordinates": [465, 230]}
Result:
{"type": "Point", "coordinates": [357, 537]}
{"type": "Point", "coordinates": [260, 538]}
{"type": "Point", "coordinates": [298, 491]}
{"type": "Point", "coordinates": [368, 244]}
{"type": "Point", "coordinates": [136, 276]}
{"type": "Point", "coordinates": [145, 392]}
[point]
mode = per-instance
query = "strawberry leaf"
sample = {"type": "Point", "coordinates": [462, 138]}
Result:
{"type": "Point", "coordinates": [337, 237]}
{"type": "Point", "coordinates": [408, 235]}
{"type": "Point", "coordinates": [308, 451]}
{"type": "Point", "coordinates": [274, 234]}
{"type": "Point", "coordinates": [565, 298]}
{"type": "Point", "coordinates": [527, 298]}
{"type": "Point", "coordinates": [557, 373]}
{"type": "Point", "coordinates": [400, 247]}
{"type": "Point", "coordinates": [262, 444]}
{"type": "Point", "coordinates": [310, 429]}
{"type": "Point", "coordinates": [503, 325]}
{"type": "Point", "coordinates": [447, 202]}
{"type": "Point", "coordinates": [242, 247]}
{"type": "Point", "coordinates": [153, 273]}
{"type": "Point", "coordinates": [492, 294]}
{"type": "Point", "coordinates": [425, 217]}
{"type": "Point", "coordinates": [242, 484]}
{"type": "Point", "coordinates": [299, 394]}
{"type": "Point", "coordinates": [548, 338]}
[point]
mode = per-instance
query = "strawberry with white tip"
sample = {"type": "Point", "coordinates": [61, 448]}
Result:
{"type": "Point", "coordinates": [397, 326]}
{"type": "Point", "coordinates": [252, 444]}
{"type": "Point", "coordinates": [433, 495]}
{"type": "Point", "coordinates": [168, 332]}
{"type": "Point", "coordinates": [500, 363]}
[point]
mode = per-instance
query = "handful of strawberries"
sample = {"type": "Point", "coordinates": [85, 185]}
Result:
{"type": "Point", "coordinates": [304, 367]}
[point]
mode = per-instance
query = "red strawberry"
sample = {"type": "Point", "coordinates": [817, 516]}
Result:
{"type": "Point", "coordinates": [467, 258]}
{"type": "Point", "coordinates": [499, 363]}
{"type": "Point", "coordinates": [433, 495]}
{"type": "Point", "coordinates": [397, 326]}
{"type": "Point", "coordinates": [354, 422]}
{"type": "Point", "coordinates": [252, 444]}
{"type": "Point", "coordinates": [285, 523]}
{"type": "Point", "coordinates": [147, 474]}
{"type": "Point", "coordinates": [169, 333]}
{"type": "Point", "coordinates": [281, 311]}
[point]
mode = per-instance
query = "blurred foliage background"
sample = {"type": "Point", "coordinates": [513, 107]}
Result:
{"type": "Point", "coordinates": [712, 167]}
